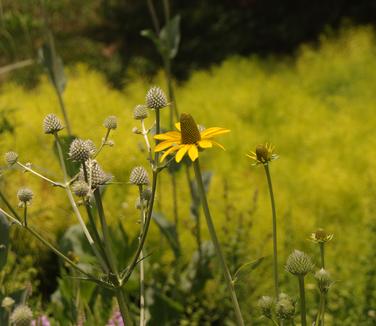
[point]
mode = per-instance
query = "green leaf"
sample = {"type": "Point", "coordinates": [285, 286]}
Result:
{"type": "Point", "coordinates": [170, 37]}
{"type": "Point", "coordinates": [72, 167]}
{"type": "Point", "coordinates": [246, 268]}
{"type": "Point", "coordinates": [53, 64]}
{"type": "Point", "coordinates": [4, 240]}
{"type": "Point", "coordinates": [168, 229]}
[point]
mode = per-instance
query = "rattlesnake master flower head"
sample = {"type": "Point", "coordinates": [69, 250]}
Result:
{"type": "Point", "coordinates": [139, 176]}
{"type": "Point", "coordinates": [263, 154]}
{"type": "Point", "coordinates": [110, 122]}
{"type": "Point", "coordinates": [7, 302]}
{"type": "Point", "coordinates": [96, 175]}
{"type": "Point", "coordinates": [285, 307]}
{"type": "Point", "coordinates": [324, 281]}
{"type": "Point", "coordinates": [321, 236]}
{"type": "Point", "coordinates": [80, 188]}
{"type": "Point", "coordinates": [156, 98]}
{"type": "Point", "coordinates": [25, 195]}
{"type": "Point", "coordinates": [91, 146]}
{"type": "Point", "coordinates": [21, 316]}
{"type": "Point", "coordinates": [140, 112]}
{"type": "Point", "coordinates": [265, 304]}
{"type": "Point", "coordinates": [299, 263]}
{"type": "Point", "coordinates": [79, 150]}
{"type": "Point", "coordinates": [52, 124]}
{"type": "Point", "coordinates": [11, 158]}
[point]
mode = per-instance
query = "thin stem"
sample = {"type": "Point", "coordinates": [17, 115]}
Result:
{"type": "Point", "coordinates": [63, 110]}
{"type": "Point", "coordinates": [123, 307]}
{"type": "Point", "coordinates": [322, 254]}
{"type": "Point", "coordinates": [146, 138]}
{"type": "Point", "coordinates": [217, 246]}
{"type": "Point", "coordinates": [142, 271]}
{"type": "Point", "coordinates": [10, 207]}
{"type": "Point", "coordinates": [106, 233]}
{"type": "Point", "coordinates": [322, 312]}
{"type": "Point", "coordinates": [302, 301]}
{"type": "Point", "coordinates": [104, 141]}
{"type": "Point", "coordinates": [25, 214]}
{"type": "Point", "coordinates": [274, 220]}
{"type": "Point", "coordinates": [54, 183]}
{"type": "Point", "coordinates": [153, 15]}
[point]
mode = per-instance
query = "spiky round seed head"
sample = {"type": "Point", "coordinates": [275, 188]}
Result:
{"type": "Point", "coordinates": [140, 112]}
{"type": "Point", "coordinates": [11, 158]}
{"type": "Point", "coordinates": [110, 122]}
{"type": "Point", "coordinates": [299, 263]}
{"type": "Point", "coordinates": [7, 302]}
{"type": "Point", "coordinates": [146, 194]}
{"type": "Point", "coordinates": [189, 130]}
{"type": "Point", "coordinates": [21, 316]}
{"type": "Point", "coordinates": [96, 175]}
{"type": "Point", "coordinates": [285, 307]}
{"type": "Point", "coordinates": [324, 281]}
{"type": "Point", "coordinates": [52, 124]}
{"type": "Point", "coordinates": [156, 98]}
{"type": "Point", "coordinates": [80, 188]}
{"type": "Point", "coordinates": [139, 176]}
{"type": "Point", "coordinates": [265, 304]}
{"type": "Point", "coordinates": [79, 150]}
{"type": "Point", "coordinates": [25, 195]}
{"type": "Point", "coordinates": [92, 147]}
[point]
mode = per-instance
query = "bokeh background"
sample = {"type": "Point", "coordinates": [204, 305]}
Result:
{"type": "Point", "coordinates": [299, 74]}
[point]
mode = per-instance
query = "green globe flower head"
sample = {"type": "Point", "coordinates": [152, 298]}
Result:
{"type": "Point", "coordinates": [265, 304]}
{"type": "Point", "coordinates": [299, 263]}
{"type": "Point", "coordinates": [285, 307]}
{"type": "Point", "coordinates": [156, 98]}
{"type": "Point", "coordinates": [21, 316]}
{"type": "Point", "coordinates": [324, 281]}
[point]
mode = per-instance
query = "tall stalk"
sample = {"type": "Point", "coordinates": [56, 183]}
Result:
{"type": "Point", "coordinates": [142, 271]}
{"type": "Point", "coordinates": [303, 313]}
{"type": "Point", "coordinates": [274, 221]}
{"type": "Point", "coordinates": [217, 246]}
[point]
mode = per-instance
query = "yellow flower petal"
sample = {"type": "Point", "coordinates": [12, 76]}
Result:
{"type": "Point", "coordinates": [163, 145]}
{"type": "Point", "coordinates": [205, 143]}
{"type": "Point", "coordinates": [180, 154]}
{"type": "Point", "coordinates": [193, 152]}
{"type": "Point", "coordinates": [218, 144]}
{"type": "Point", "coordinates": [177, 125]}
{"type": "Point", "coordinates": [169, 151]}
{"type": "Point", "coordinates": [211, 132]}
{"type": "Point", "coordinates": [170, 135]}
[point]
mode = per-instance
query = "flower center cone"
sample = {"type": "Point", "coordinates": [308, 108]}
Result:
{"type": "Point", "coordinates": [189, 130]}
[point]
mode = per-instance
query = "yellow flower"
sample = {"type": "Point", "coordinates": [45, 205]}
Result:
{"type": "Point", "coordinates": [321, 236]}
{"type": "Point", "coordinates": [188, 139]}
{"type": "Point", "coordinates": [263, 154]}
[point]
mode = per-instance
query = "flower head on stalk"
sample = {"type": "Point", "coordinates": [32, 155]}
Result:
{"type": "Point", "coordinates": [188, 139]}
{"type": "Point", "coordinates": [321, 236]}
{"type": "Point", "coordinates": [263, 154]}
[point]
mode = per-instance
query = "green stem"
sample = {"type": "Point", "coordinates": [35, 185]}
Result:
{"type": "Point", "coordinates": [217, 246]}
{"type": "Point", "coordinates": [142, 270]}
{"type": "Point", "coordinates": [302, 301]}
{"type": "Point", "coordinates": [64, 111]}
{"type": "Point", "coordinates": [104, 141]}
{"type": "Point", "coordinates": [322, 254]}
{"type": "Point", "coordinates": [274, 220]}
{"type": "Point", "coordinates": [106, 233]}
{"type": "Point", "coordinates": [123, 307]}
{"type": "Point", "coordinates": [25, 215]}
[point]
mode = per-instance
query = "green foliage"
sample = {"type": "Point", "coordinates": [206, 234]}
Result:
{"type": "Point", "coordinates": [318, 111]}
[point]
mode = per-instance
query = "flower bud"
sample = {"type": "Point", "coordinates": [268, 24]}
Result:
{"type": "Point", "coordinates": [7, 302]}
{"type": "Point", "coordinates": [139, 176]}
{"type": "Point", "coordinates": [11, 158]}
{"type": "Point", "coordinates": [52, 124]}
{"type": "Point", "coordinates": [324, 280]}
{"type": "Point", "coordinates": [299, 263]}
{"type": "Point", "coordinates": [140, 112]}
{"type": "Point", "coordinates": [321, 236]}
{"type": "Point", "coordinates": [21, 316]}
{"type": "Point", "coordinates": [136, 131]}
{"type": "Point", "coordinates": [146, 194]}
{"type": "Point", "coordinates": [285, 307]}
{"type": "Point", "coordinates": [79, 150]}
{"type": "Point", "coordinates": [25, 195]}
{"type": "Point", "coordinates": [110, 122]}
{"type": "Point", "coordinates": [156, 98]}
{"type": "Point", "coordinates": [266, 305]}
{"type": "Point", "coordinates": [80, 188]}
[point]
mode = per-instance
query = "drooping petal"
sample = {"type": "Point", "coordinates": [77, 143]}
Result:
{"type": "Point", "coordinates": [180, 154]}
{"type": "Point", "coordinates": [170, 135]}
{"type": "Point", "coordinates": [177, 125]}
{"type": "Point", "coordinates": [205, 143]}
{"type": "Point", "coordinates": [218, 144]}
{"type": "Point", "coordinates": [169, 151]}
{"type": "Point", "coordinates": [215, 131]}
{"type": "Point", "coordinates": [193, 152]}
{"type": "Point", "coordinates": [163, 145]}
